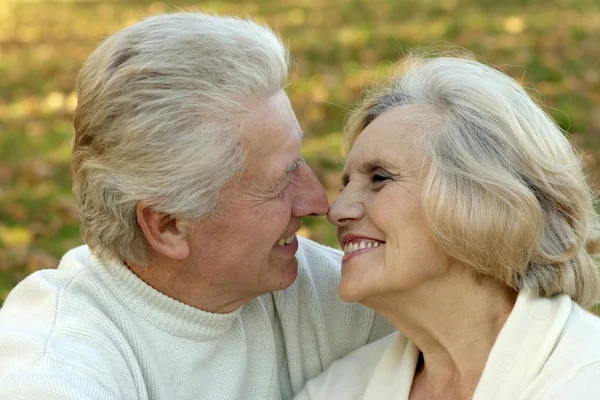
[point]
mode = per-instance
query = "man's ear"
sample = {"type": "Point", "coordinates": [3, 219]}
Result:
{"type": "Point", "coordinates": [166, 234]}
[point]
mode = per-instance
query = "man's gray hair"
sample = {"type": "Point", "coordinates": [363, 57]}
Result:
{"type": "Point", "coordinates": [159, 115]}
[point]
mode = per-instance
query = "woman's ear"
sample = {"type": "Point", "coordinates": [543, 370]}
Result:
{"type": "Point", "coordinates": [166, 234]}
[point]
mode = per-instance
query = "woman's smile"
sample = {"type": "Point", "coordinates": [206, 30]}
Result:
{"type": "Point", "coordinates": [358, 246]}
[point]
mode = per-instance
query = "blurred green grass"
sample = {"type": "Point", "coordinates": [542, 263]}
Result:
{"type": "Point", "coordinates": [338, 47]}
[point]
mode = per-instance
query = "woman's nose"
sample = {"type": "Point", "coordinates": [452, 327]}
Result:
{"type": "Point", "coordinates": [345, 210]}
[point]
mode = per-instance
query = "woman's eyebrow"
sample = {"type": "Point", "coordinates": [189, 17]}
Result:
{"type": "Point", "coordinates": [367, 167]}
{"type": "Point", "coordinates": [345, 179]}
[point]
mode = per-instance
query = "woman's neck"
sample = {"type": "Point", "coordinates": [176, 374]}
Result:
{"type": "Point", "coordinates": [454, 321]}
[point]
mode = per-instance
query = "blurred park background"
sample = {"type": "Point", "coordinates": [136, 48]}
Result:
{"type": "Point", "coordinates": [338, 47]}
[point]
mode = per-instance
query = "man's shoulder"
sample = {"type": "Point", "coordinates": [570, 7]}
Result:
{"type": "Point", "coordinates": [47, 283]}
{"type": "Point", "coordinates": [52, 312]}
{"type": "Point", "coordinates": [76, 259]}
{"type": "Point", "coordinates": [349, 376]}
{"type": "Point", "coordinates": [42, 288]}
{"type": "Point", "coordinates": [55, 336]}
{"type": "Point", "coordinates": [319, 269]}
{"type": "Point", "coordinates": [317, 256]}
{"type": "Point", "coordinates": [310, 246]}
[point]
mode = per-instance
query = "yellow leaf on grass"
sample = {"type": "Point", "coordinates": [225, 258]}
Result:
{"type": "Point", "coordinates": [295, 17]}
{"type": "Point", "coordinates": [54, 102]}
{"type": "Point", "coordinates": [71, 102]}
{"type": "Point", "coordinates": [514, 25]}
{"type": "Point", "coordinates": [15, 236]}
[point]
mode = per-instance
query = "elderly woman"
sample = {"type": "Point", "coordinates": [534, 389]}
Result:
{"type": "Point", "coordinates": [466, 221]}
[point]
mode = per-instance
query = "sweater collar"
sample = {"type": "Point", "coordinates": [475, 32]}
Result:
{"type": "Point", "coordinates": [158, 309]}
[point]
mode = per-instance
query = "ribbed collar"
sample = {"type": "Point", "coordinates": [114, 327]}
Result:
{"type": "Point", "coordinates": [164, 312]}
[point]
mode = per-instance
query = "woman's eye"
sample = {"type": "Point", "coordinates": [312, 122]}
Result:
{"type": "Point", "coordinates": [379, 178]}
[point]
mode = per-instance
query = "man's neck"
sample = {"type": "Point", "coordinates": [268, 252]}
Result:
{"type": "Point", "coordinates": [173, 279]}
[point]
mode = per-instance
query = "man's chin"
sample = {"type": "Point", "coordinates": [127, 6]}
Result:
{"type": "Point", "coordinates": [287, 272]}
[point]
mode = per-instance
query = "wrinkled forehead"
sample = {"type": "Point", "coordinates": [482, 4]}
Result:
{"type": "Point", "coordinates": [273, 140]}
{"type": "Point", "coordinates": [270, 123]}
{"type": "Point", "coordinates": [395, 132]}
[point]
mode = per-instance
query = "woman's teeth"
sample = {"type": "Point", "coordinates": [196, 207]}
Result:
{"type": "Point", "coordinates": [363, 244]}
{"type": "Point", "coordinates": [287, 240]}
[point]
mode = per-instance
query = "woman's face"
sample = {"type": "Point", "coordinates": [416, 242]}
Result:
{"type": "Point", "coordinates": [378, 215]}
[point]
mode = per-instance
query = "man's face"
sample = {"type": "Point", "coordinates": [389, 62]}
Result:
{"type": "Point", "coordinates": [249, 248]}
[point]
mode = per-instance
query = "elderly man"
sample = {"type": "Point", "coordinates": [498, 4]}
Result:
{"type": "Point", "coordinates": [191, 186]}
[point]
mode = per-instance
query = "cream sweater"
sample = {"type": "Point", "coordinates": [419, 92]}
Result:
{"type": "Point", "coordinates": [90, 330]}
{"type": "Point", "coordinates": [549, 349]}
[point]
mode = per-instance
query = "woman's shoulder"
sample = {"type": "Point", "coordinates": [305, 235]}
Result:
{"type": "Point", "coordinates": [580, 339]}
{"type": "Point", "coordinates": [576, 346]}
{"type": "Point", "coordinates": [348, 377]}
{"type": "Point", "coordinates": [573, 368]}
{"type": "Point", "coordinates": [580, 335]}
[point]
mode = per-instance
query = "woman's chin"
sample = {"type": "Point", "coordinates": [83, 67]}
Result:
{"type": "Point", "coordinates": [351, 292]}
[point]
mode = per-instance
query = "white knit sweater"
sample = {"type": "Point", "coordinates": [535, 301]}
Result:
{"type": "Point", "coordinates": [96, 331]}
{"type": "Point", "coordinates": [548, 349]}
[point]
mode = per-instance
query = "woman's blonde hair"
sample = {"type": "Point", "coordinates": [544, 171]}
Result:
{"type": "Point", "coordinates": [160, 110]}
{"type": "Point", "coordinates": [505, 194]}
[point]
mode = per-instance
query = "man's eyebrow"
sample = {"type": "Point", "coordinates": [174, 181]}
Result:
{"type": "Point", "coordinates": [294, 165]}
{"type": "Point", "coordinates": [290, 168]}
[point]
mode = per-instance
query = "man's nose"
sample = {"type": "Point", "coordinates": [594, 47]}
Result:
{"type": "Point", "coordinates": [310, 197]}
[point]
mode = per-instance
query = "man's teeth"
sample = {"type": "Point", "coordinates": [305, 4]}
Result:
{"type": "Point", "coordinates": [287, 240]}
{"type": "Point", "coordinates": [363, 244]}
